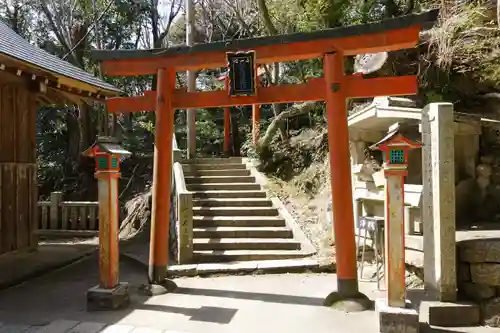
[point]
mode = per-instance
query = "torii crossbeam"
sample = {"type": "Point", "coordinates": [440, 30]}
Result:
{"type": "Point", "coordinates": [334, 88]}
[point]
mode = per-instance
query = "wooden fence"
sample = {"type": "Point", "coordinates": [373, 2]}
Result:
{"type": "Point", "coordinates": [66, 216]}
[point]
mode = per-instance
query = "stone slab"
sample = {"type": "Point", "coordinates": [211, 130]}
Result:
{"type": "Point", "coordinates": [87, 327]}
{"type": "Point", "coordinates": [21, 266]}
{"type": "Point", "coordinates": [477, 292]}
{"type": "Point", "coordinates": [118, 329]}
{"type": "Point", "coordinates": [246, 267]}
{"type": "Point", "coordinates": [32, 329]}
{"type": "Point", "coordinates": [480, 250]}
{"type": "Point", "coordinates": [58, 326]}
{"type": "Point", "coordinates": [146, 330]}
{"type": "Point", "coordinates": [485, 273]}
{"type": "Point", "coordinates": [108, 299]}
{"type": "Point", "coordinates": [286, 266]}
{"type": "Point", "coordinates": [13, 328]}
{"type": "Point", "coordinates": [396, 320]}
{"type": "Point", "coordinates": [182, 270]}
{"type": "Point", "coordinates": [231, 267]}
{"type": "Point", "coordinates": [449, 314]}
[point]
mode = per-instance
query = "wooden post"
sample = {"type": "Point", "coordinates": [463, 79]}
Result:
{"type": "Point", "coordinates": [162, 178]}
{"type": "Point", "coordinates": [255, 122]}
{"type": "Point", "coordinates": [227, 122]}
{"type": "Point", "coordinates": [395, 237]}
{"type": "Point", "coordinates": [55, 200]}
{"type": "Point", "coordinates": [340, 168]}
{"type": "Point", "coordinates": [109, 255]}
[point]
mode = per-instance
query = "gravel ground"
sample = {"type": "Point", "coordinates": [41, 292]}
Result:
{"type": "Point", "coordinates": [309, 213]}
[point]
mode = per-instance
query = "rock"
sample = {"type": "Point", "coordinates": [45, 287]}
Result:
{"type": "Point", "coordinates": [485, 273]}
{"type": "Point", "coordinates": [480, 250]}
{"type": "Point", "coordinates": [463, 272]}
{"type": "Point", "coordinates": [478, 292]}
{"type": "Point", "coordinates": [490, 311]}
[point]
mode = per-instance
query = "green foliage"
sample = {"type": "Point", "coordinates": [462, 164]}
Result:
{"type": "Point", "coordinates": [462, 60]}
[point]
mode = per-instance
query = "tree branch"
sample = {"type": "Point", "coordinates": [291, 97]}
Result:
{"type": "Point", "coordinates": [264, 11]}
{"type": "Point", "coordinates": [57, 32]}
{"type": "Point", "coordinates": [171, 16]}
{"type": "Point", "coordinates": [293, 111]}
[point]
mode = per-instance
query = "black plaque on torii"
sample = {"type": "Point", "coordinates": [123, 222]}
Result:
{"type": "Point", "coordinates": [241, 73]}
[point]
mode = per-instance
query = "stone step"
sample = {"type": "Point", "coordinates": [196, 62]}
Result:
{"type": "Point", "coordinates": [229, 194]}
{"type": "Point", "coordinates": [235, 211]}
{"type": "Point", "coordinates": [219, 179]}
{"type": "Point", "coordinates": [214, 160]}
{"type": "Point", "coordinates": [223, 187]}
{"type": "Point", "coordinates": [219, 172]}
{"type": "Point", "coordinates": [233, 202]}
{"type": "Point", "coordinates": [238, 221]}
{"type": "Point", "coordinates": [242, 232]}
{"type": "Point", "coordinates": [203, 244]}
{"type": "Point", "coordinates": [230, 166]}
{"type": "Point", "coordinates": [208, 256]}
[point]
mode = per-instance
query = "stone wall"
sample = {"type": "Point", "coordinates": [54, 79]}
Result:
{"type": "Point", "coordinates": [478, 275]}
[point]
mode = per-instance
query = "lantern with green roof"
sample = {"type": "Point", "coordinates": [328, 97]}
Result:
{"type": "Point", "coordinates": [395, 147]}
{"type": "Point", "coordinates": [107, 154]}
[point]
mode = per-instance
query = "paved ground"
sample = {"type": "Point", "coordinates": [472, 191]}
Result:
{"type": "Point", "coordinates": [237, 304]}
{"type": "Point", "coordinates": [17, 267]}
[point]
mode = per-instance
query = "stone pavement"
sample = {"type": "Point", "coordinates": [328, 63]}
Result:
{"type": "Point", "coordinates": [18, 267]}
{"type": "Point", "coordinates": [231, 304]}
{"type": "Point", "coordinates": [72, 326]}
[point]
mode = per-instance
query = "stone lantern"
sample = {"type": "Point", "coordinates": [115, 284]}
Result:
{"type": "Point", "coordinates": [395, 147]}
{"type": "Point", "coordinates": [110, 293]}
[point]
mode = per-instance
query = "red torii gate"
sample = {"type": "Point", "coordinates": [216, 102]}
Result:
{"type": "Point", "coordinates": [334, 88]}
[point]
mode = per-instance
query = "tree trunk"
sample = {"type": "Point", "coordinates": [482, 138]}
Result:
{"type": "Point", "coordinates": [73, 137]}
{"type": "Point", "coordinates": [294, 111]}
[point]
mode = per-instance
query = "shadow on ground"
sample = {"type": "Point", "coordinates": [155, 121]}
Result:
{"type": "Point", "coordinates": [62, 295]}
{"type": "Point", "coordinates": [273, 303]}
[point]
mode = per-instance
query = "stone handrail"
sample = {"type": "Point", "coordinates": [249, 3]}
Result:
{"type": "Point", "coordinates": [184, 213]}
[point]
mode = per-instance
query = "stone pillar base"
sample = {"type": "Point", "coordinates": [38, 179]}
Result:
{"type": "Point", "coordinates": [101, 299]}
{"type": "Point", "coordinates": [154, 289]}
{"type": "Point", "coordinates": [396, 320]}
{"type": "Point", "coordinates": [449, 314]}
{"type": "Point", "coordinates": [352, 302]}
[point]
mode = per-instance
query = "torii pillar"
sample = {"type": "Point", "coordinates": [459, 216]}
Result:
{"type": "Point", "coordinates": [347, 297]}
{"type": "Point", "coordinates": [227, 122]}
{"type": "Point", "coordinates": [162, 180]}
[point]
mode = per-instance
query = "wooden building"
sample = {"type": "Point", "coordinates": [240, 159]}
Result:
{"type": "Point", "coordinates": [29, 78]}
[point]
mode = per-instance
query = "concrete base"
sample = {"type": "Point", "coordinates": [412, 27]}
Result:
{"type": "Point", "coordinates": [100, 299]}
{"type": "Point", "coordinates": [348, 304]}
{"type": "Point", "coordinates": [450, 314]}
{"type": "Point", "coordinates": [157, 289]}
{"type": "Point", "coordinates": [396, 320]}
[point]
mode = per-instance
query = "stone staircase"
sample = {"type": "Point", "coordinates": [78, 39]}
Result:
{"type": "Point", "coordinates": [233, 219]}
